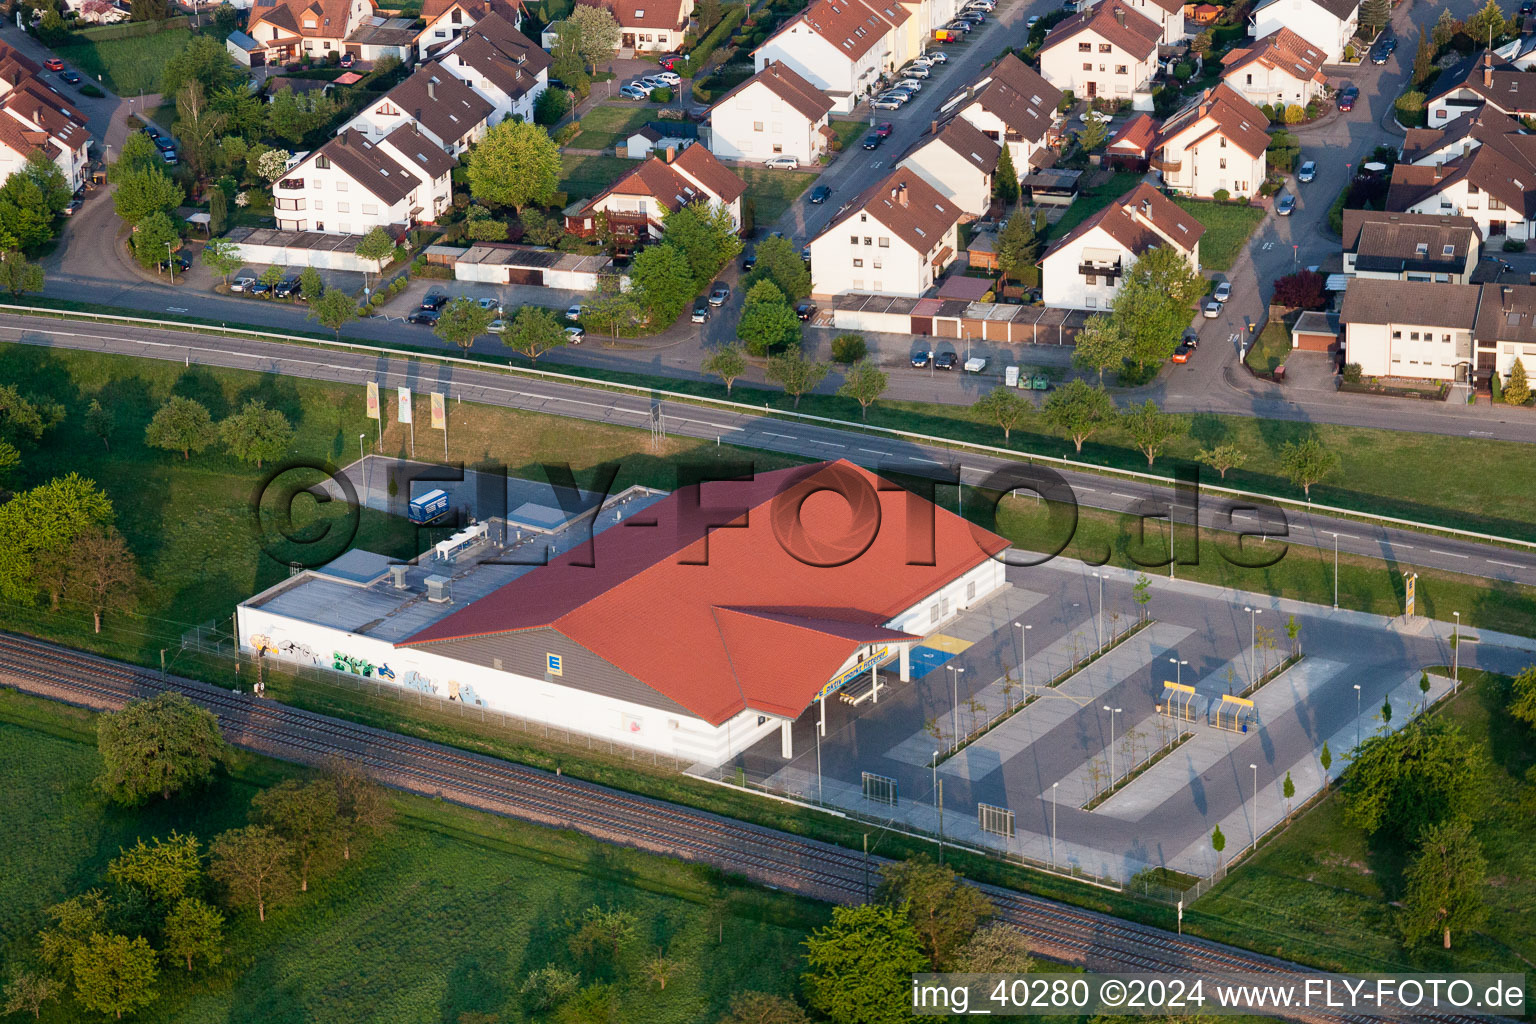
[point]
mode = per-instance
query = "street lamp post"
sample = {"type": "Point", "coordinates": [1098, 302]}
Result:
{"type": "Point", "coordinates": [1456, 654]}
{"type": "Point", "coordinates": [938, 803]}
{"type": "Point", "coordinates": [955, 726]}
{"type": "Point", "coordinates": [1053, 823]}
{"type": "Point", "coordinates": [1178, 669]}
{"type": "Point", "coordinates": [1254, 818]}
{"type": "Point", "coordinates": [1100, 635]}
{"type": "Point", "coordinates": [1335, 572]}
{"type": "Point", "coordinates": [1112, 713]}
{"type": "Point", "coordinates": [1357, 716]}
{"type": "Point", "coordinates": [1023, 657]}
{"type": "Point", "coordinates": [170, 261]}
{"type": "Point", "coordinates": [1253, 638]}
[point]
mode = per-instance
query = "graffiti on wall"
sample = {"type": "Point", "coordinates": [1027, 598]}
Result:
{"type": "Point", "coordinates": [263, 644]}
{"type": "Point", "coordinates": [347, 663]}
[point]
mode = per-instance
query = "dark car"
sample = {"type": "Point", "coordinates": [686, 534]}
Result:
{"type": "Point", "coordinates": [287, 288]}
{"type": "Point", "coordinates": [261, 289]}
{"type": "Point", "coordinates": [945, 361]}
{"type": "Point", "coordinates": [1347, 98]}
{"type": "Point", "coordinates": [805, 310]}
{"type": "Point", "coordinates": [434, 302]}
{"type": "Point", "coordinates": [1285, 205]}
{"type": "Point", "coordinates": [181, 262]}
{"type": "Point", "coordinates": [71, 77]}
{"type": "Point", "coordinates": [165, 145]}
{"type": "Point", "coordinates": [749, 261]}
{"type": "Point", "coordinates": [884, 129]}
{"type": "Point", "coordinates": [873, 141]}
{"type": "Point", "coordinates": [153, 132]}
{"type": "Point", "coordinates": [1381, 53]}
{"type": "Point", "coordinates": [667, 63]}
{"type": "Point", "coordinates": [346, 60]}
{"type": "Point", "coordinates": [426, 317]}
{"type": "Point", "coordinates": [805, 253]}
{"type": "Point", "coordinates": [920, 359]}
{"type": "Point", "coordinates": [1526, 8]}
{"type": "Point", "coordinates": [820, 194]}
{"type": "Point", "coordinates": [700, 311]}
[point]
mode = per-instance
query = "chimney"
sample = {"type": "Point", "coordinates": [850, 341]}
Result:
{"type": "Point", "coordinates": [1507, 293]}
{"type": "Point", "coordinates": [670, 154]}
{"type": "Point", "coordinates": [1487, 70]}
{"type": "Point", "coordinates": [901, 194]}
{"type": "Point", "coordinates": [1120, 16]}
{"type": "Point", "coordinates": [432, 90]}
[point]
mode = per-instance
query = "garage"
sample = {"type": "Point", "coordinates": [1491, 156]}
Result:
{"type": "Point", "coordinates": [525, 275]}
{"type": "Point", "coordinates": [1315, 332]}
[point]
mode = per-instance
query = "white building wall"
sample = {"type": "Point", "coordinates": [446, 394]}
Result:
{"type": "Point", "coordinates": [1172, 22]}
{"type": "Point", "coordinates": [840, 265]}
{"type": "Point", "coordinates": [1019, 150]}
{"type": "Point", "coordinates": [331, 202]}
{"type": "Point", "coordinates": [505, 106]}
{"type": "Point", "coordinates": [320, 259]}
{"type": "Point", "coordinates": [1259, 84]}
{"type": "Point", "coordinates": [1095, 72]}
{"type": "Point", "coordinates": [1061, 285]}
{"type": "Point", "coordinates": [1493, 218]}
{"type": "Point", "coordinates": [1211, 165]}
{"type": "Point", "coordinates": [1408, 350]}
{"type": "Point", "coordinates": [383, 117]}
{"type": "Point", "coordinates": [435, 195]}
{"type": "Point", "coordinates": [756, 124]}
{"type": "Point", "coordinates": [956, 178]}
{"type": "Point", "coordinates": [1314, 24]}
{"type": "Point", "coordinates": [963, 593]}
{"type": "Point", "coordinates": [820, 63]}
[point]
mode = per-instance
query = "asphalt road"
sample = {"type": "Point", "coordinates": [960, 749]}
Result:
{"type": "Point", "coordinates": [765, 433]}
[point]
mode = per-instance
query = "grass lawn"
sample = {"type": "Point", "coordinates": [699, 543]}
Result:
{"type": "Point", "coordinates": [1325, 888]}
{"type": "Point", "coordinates": [849, 133]}
{"type": "Point", "coordinates": [1272, 349]}
{"type": "Point", "coordinates": [582, 177]}
{"type": "Point", "coordinates": [772, 190]}
{"type": "Point", "coordinates": [127, 66]}
{"type": "Point", "coordinates": [441, 920]}
{"type": "Point", "coordinates": [1092, 200]}
{"type": "Point", "coordinates": [1227, 227]}
{"type": "Point", "coordinates": [605, 126]}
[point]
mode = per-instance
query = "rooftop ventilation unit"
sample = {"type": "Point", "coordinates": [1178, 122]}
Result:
{"type": "Point", "coordinates": [438, 589]}
{"type": "Point", "coordinates": [398, 572]}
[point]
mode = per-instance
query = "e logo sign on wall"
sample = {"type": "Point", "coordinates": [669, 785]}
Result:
{"type": "Point", "coordinates": [553, 664]}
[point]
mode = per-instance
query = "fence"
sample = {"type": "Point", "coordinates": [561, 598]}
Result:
{"type": "Point", "coordinates": [127, 30]}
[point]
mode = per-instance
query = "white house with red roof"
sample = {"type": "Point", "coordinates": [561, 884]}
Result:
{"type": "Point", "coordinates": [895, 238]}
{"type": "Point", "coordinates": [960, 162]}
{"type": "Point", "coordinates": [1108, 51]}
{"type": "Point", "coordinates": [649, 26]}
{"type": "Point", "coordinates": [1012, 105]}
{"type": "Point", "coordinates": [35, 119]}
{"type": "Point", "coordinates": [842, 46]}
{"type": "Point", "coordinates": [351, 185]}
{"type": "Point", "coordinates": [447, 20]}
{"type": "Point", "coordinates": [637, 204]}
{"type": "Point", "coordinates": [1169, 15]}
{"type": "Point", "coordinates": [1280, 68]}
{"type": "Point", "coordinates": [285, 30]}
{"type": "Point", "coordinates": [693, 625]}
{"type": "Point", "coordinates": [776, 112]}
{"type": "Point", "coordinates": [503, 67]}
{"type": "Point", "coordinates": [1328, 25]}
{"type": "Point", "coordinates": [1215, 144]}
{"type": "Point", "coordinates": [1085, 268]}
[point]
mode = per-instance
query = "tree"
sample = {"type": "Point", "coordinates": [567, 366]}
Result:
{"type": "Point", "coordinates": [74, 922]}
{"type": "Point", "coordinates": [1305, 289]}
{"type": "Point", "coordinates": [206, 60]}
{"type": "Point", "coordinates": [1218, 840]}
{"type": "Point", "coordinates": [37, 528]}
{"type": "Point", "coordinates": [660, 969]}
{"type": "Point", "coordinates": [334, 309]}
{"type": "Point", "coordinates": [139, 154]}
{"type": "Point", "coordinates": [610, 304]}
{"type": "Point", "coordinates": [1005, 179]}
{"type": "Point", "coordinates": [1325, 758]}
{"type": "Point", "coordinates": [551, 107]}
{"type": "Point", "coordinates": [162, 745]}
{"type": "Point", "coordinates": [19, 275]}
{"type": "Point", "coordinates": [272, 276]}
{"type": "Point", "coordinates": [1004, 407]}
{"type": "Point", "coordinates": [31, 200]}
{"type": "Point", "coordinates": [727, 362]}
{"type": "Point", "coordinates": [1374, 14]}
{"type": "Point", "coordinates": [198, 126]}
{"type": "Point", "coordinates": [996, 948]}
{"type": "Point", "coordinates": [1093, 134]}
{"type": "Point", "coordinates": [762, 1008]}
{"type": "Point", "coordinates": [1151, 429]}
{"type": "Point", "coordinates": [166, 869]}
{"type": "Point", "coordinates": [99, 423]}
{"type": "Point", "coordinates": [565, 59]}
{"type": "Point", "coordinates": [662, 282]}
{"type": "Point", "coordinates": [533, 332]}
{"type": "Point", "coordinates": [794, 373]}
{"type": "Point", "coordinates": [462, 321]}
{"type": "Point", "coordinates": [221, 255]}
{"type": "Point", "coordinates": [1522, 703]}
{"type": "Point", "coordinates": [517, 164]}
{"type": "Point", "coordinates": [1222, 458]}
{"type": "Point", "coordinates": [1079, 411]}
{"type": "Point", "coordinates": [306, 815]}
{"type": "Point", "coordinates": [1018, 246]}
{"type": "Point", "coordinates": [767, 322]}
{"type": "Point", "coordinates": [311, 286]}
{"type": "Point", "coordinates": [181, 425]}
{"type": "Point", "coordinates": [364, 808]}
{"type": "Point", "coordinates": [144, 192]}
{"type": "Point", "coordinates": [27, 991]}
{"type": "Point", "coordinates": [940, 906]}
{"type": "Point", "coordinates": [23, 417]}
{"type": "Point", "coordinates": [602, 931]}
{"type": "Point", "coordinates": [1154, 303]}
{"type": "Point", "coordinates": [1307, 462]}
{"type": "Point", "coordinates": [114, 973]}
{"type": "Point", "coordinates": [1288, 790]}
{"type": "Point", "coordinates": [705, 235]}
{"type": "Point", "coordinates": [1486, 26]}
{"type": "Point", "coordinates": [1445, 883]}
{"type": "Point", "coordinates": [1424, 688]}
{"type": "Point", "coordinates": [1099, 345]}
{"type": "Point", "coordinates": [292, 117]}
{"type": "Point", "coordinates": [1423, 774]}
{"type": "Point", "coordinates": [864, 383]}
{"type": "Point", "coordinates": [1424, 57]}
{"type": "Point", "coordinates": [194, 930]}
{"type": "Point", "coordinates": [101, 573]}
{"type": "Point", "coordinates": [1517, 391]}
{"type": "Point", "coordinates": [256, 433]}
{"type": "Point", "coordinates": [859, 966]}
{"type": "Point", "coordinates": [154, 240]}
{"type": "Point", "coordinates": [218, 211]}
{"type": "Point", "coordinates": [599, 33]}
{"type": "Point", "coordinates": [377, 246]}
{"type": "Point", "coordinates": [252, 863]}
{"type": "Point", "coordinates": [1445, 29]}
{"type": "Point", "coordinates": [779, 261]}
{"type": "Point", "coordinates": [1386, 711]}
{"type": "Point", "coordinates": [549, 986]}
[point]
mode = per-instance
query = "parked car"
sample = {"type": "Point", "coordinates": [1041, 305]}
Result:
{"type": "Point", "coordinates": [573, 335]}
{"type": "Point", "coordinates": [1183, 352]}
{"type": "Point", "coordinates": [1095, 115]}
{"type": "Point", "coordinates": [71, 206]}
{"type": "Point", "coordinates": [181, 263]}
{"type": "Point", "coordinates": [899, 94]}
{"type": "Point", "coordinates": [959, 26]}
{"type": "Point", "coordinates": [820, 194]}
{"type": "Point", "coordinates": [720, 294]}
{"type": "Point", "coordinates": [885, 103]}
{"type": "Point", "coordinates": [1380, 54]}
{"type": "Point", "coordinates": [1308, 172]}
{"type": "Point", "coordinates": [937, 56]}
{"type": "Point", "coordinates": [287, 288]}
{"type": "Point", "coordinates": [1034, 19]}
{"type": "Point", "coordinates": [976, 18]}
{"type": "Point", "coordinates": [153, 133]}
{"type": "Point", "coordinates": [261, 289]}
{"type": "Point", "coordinates": [1285, 205]}
{"type": "Point", "coordinates": [1526, 8]}
{"type": "Point", "coordinates": [786, 163]}
{"type": "Point", "coordinates": [1347, 98]}
{"type": "Point", "coordinates": [1212, 310]}
{"type": "Point", "coordinates": [805, 310]}
{"type": "Point", "coordinates": [920, 359]}
{"type": "Point", "coordinates": [668, 61]}
{"type": "Point", "coordinates": [915, 71]}
{"type": "Point", "coordinates": [669, 79]}
{"type": "Point", "coordinates": [425, 317]}
{"type": "Point", "coordinates": [434, 301]}
{"type": "Point", "coordinates": [53, 64]}
{"type": "Point", "coordinates": [700, 311]}
{"type": "Point", "coordinates": [945, 361]}
{"type": "Point", "coordinates": [347, 60]}
{"type": "Point", "coordinates": [574, 312]}
{"type": "Point", "coordinates": [242, 284]}
{"type": "Point", "coordinates": [872, 141]}
{"type": "Point", "coordinates": [1223, 291]}
{"type": "Point", "coordinates": [650, 82]}
{"type": "Point", "coordinates": [911, 85]}
{"type": "Point", "coordinates": [633, 92]}
{"type": "Point", "coordinates": [976, 364]}
{"type": "Point", "coordinates": [884, 129]}
{"type": "Point", "coordinates": [748, 261]}
{"type": "Point", "coordinates": [1191, 338]}
{"type": "Point", "coordinates": [497, 326]}
{"type": "Point", "coordinates": [805, 254]}
{"type": "Point", "coordinates": [488, 303]}
{"type": "Point", "coordinates": [71, 77]}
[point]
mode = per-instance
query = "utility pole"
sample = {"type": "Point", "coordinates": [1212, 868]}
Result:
{"type": "Point", "coordinates": [1456, 655]}
{"type": "Point", "coordinates": [1335, 572]}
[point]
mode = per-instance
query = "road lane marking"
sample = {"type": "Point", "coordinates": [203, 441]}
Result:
{"type": "Point", "coordinates": [919, 458]}
{"type": "Point", "coordinates": [1507, 565]}
{"type": "Point", "coordinates": [1117, 494]}
{"type": "Point", "coordinates": [1447, 554]}
{"type": "Point", "coordinates": [874, 451]}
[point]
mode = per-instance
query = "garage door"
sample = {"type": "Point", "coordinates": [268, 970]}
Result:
{"type": "Point", "coordinates": [1309, 342]}
{"type": "Point", "coordinates": [524, 275]}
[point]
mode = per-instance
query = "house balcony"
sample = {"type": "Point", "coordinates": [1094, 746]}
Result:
{"type": "Point", "coordinates": [1108, 271]}
{"type": "Point", "coordinates": [291, 184]}
{"type": "Point", "coordinates": [1166, 166]}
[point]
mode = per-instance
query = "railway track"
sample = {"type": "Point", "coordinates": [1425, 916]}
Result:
{"type": "Point", "coordinates": [1055, 930]}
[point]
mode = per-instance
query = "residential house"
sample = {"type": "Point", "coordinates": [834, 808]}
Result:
{"type": "Point", "coordinates": [286, 30]}
{"type": "Point", "coordinates": [351, 185]}
{"type": "Point", "coordinates": [1482, 167]}
{"type": "Point", "coordinates": [437, 102]}
{"type": "Point", "coordinates": [959, 161]}
{"type": "Point", "coordinates": [1013, 106]}
{"type": "Point", "coordinates": [659, 137]}
{"type": "Point", "coordinates": [635, 206]}
{"type": "Point", "coordinates": [1108, 51]}
{"type": "Point", "coordinates": [1519, 51]}
{"type": "Point", "coordinates": [500, 64]}
{"type": "Point", "coordinates": [1085, 268]}
{"type": "Point", "coordinates": [1505, 330]}
{"type": "Point", "coordinates": [842, 46]}
{"type": "Point", "coordinates": [650, 26]}
{"type": "Point", "coordinates": [1215, 144]}
{"type": "Point", "coordinates": [447, 20]}
{"type": "Point", "coordinates": [1399, 329]}
{"type": "Point", "coordinates": [35, 119]}
{"type": "Point", "coordinates": [1202, 14]}
{"type": "Point", "coordinates": [1280, 69]}
{"type": "Point", "coordinates": [1169, 15]}
{"type": "Point", "coordinates": [1410, 246]}
{"type": "Point", "coordinates": [776, 112]}
{"type": "Point", "coordinates": [1131, 147]}
{"type": "Point", "coordinates": [1483, 80]}
{"type": "Point", "coordinates": [1328, 25]}
{"type": "Point", "coordinates": [895, 238]}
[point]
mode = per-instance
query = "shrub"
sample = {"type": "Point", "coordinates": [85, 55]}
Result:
{"type": "Point", "coordinates": [551, 106]}
{"type": "Point", "coordinates": [1067, 102]}
{"type": "Point", "coordinates": [1353, 373]}
{"type": "Point", "coordinates": [1511, 245]}
{"type": "Point", "coordinates": [1221, 195]}
{"type": "Point", "coordinates": [567, 133]}
{"type": "Point", "coordinates": [848, 348]}
{"type": "Point", "coordinates": [92, 91]}
{"type": "Point", "coordinates": [1305, 289]}
{"type": "Point", "coordinates": [1410, 109]}
{"type": "Point", "coordinates": [1294, 114]}
{"type": "Point", "coordinates": [662, 95]}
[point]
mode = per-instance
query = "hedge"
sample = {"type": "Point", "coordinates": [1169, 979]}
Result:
{"type": "Point", "coordinates": [129, 29]}
{"type": "Point", "coordinates": [699, 55]}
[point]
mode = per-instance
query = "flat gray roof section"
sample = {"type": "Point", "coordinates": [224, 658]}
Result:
{"type": "Point", "coordinates": [358, 567]}
{"type": "Point", "coordinates": [295, 239]}
{"type": "Point", "coordinates": [534, 516]}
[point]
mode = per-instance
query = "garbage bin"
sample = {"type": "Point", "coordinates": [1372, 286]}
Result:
{"type": "Point", "coordinates": [1280, 373]}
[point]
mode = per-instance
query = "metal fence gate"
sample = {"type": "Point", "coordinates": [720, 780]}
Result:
{"type": "Point", "coordinates": [880, 789]}
{"type": "Point", "coordinates": [996, 820]}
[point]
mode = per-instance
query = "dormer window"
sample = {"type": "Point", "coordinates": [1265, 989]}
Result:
{"type": "Point", "coordinates": [309, 22]}
{"type": "Point", "coordinates": [640, 13]}
{"type": "Point", "coordinates": [322, 163]}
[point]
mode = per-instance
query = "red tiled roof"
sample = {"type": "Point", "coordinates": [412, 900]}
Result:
{"type": "Point", "coordinates": [1115, 23]}
{"type": "Point", "coordinates": [913, 209]}
{"type": "Point", "coordinates": [475, 9]}
{"type": "Point", "coordinates": [722, 618]}
{"type": "Point", "coordinates": [781, 80]}
{"type": "Point", "coordinates": [1284, 51]}
{"type": "Point", "coordinates": [1243, 124]}
{"type": "Point", "coordinates": [706, 169]}
{"type": "Point", "coordinates": [853, 27]}
{"type": "Point", "coordinates": [1138, 220]}
{"type": "Point", "coordinates": [1136, 136]}
{"type": "Point", "coordinates": [330, 16]}
{"type": "Point", "coordinates": [652, 14]}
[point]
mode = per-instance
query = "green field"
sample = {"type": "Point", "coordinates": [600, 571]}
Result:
{"type": "Point", "coordinates": [584, 176]}
{"type": "Point", "coordinates": [849, 133]}
{"type": "Point", "coordinates": [605, 126]}
{"type": "Point", "coordinates": [1090, 201]}
{"type": "Point", "coordinates": [1227, 227]}
{"type": "Point", "coordinates": [127, 66]}
{"type": "Point", "coordinates": [772, 190]}
{"type": "Point", "coordinates": [1271, 349]}
{"type": "Point", "coordinates": [440, 920]}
